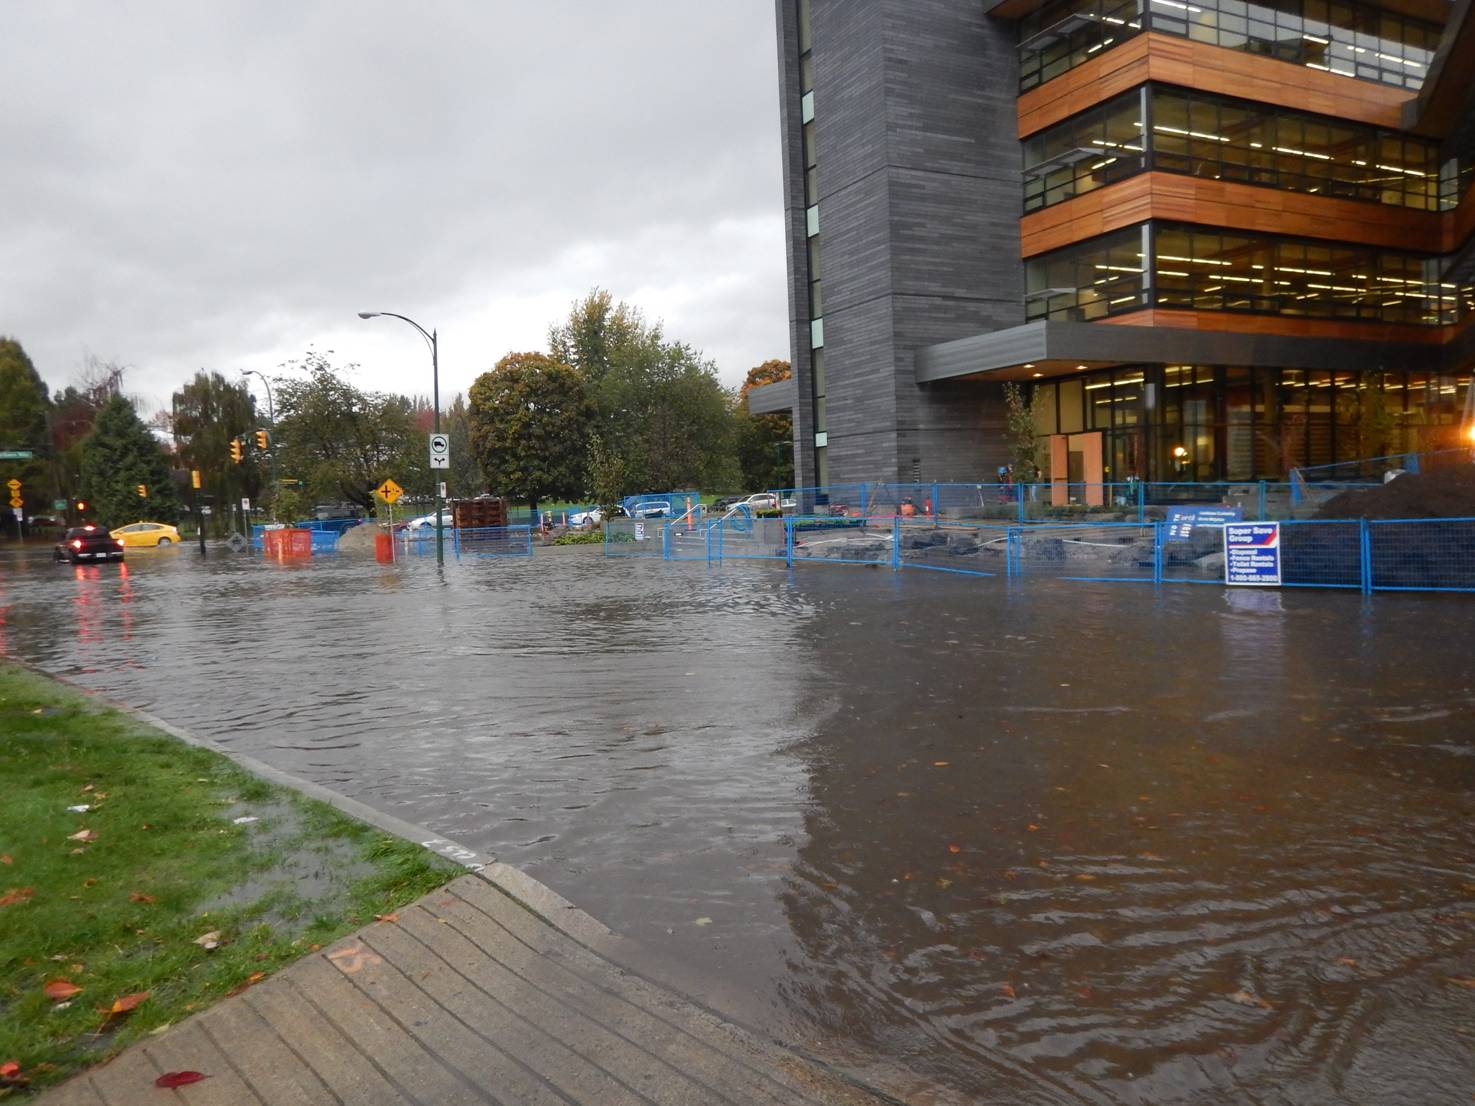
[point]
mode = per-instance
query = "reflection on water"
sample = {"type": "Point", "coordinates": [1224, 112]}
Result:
{"type": "Point", "coordinates": [1059, 843]}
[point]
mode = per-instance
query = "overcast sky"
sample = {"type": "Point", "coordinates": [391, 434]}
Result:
{"type": "Point", "coordinates": [222, 184]}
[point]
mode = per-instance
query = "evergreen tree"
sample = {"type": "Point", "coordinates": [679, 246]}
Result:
{"type": "Point", "coordinates": [120, 455]}
{"type": "Point", "coordinates": [24, 408]}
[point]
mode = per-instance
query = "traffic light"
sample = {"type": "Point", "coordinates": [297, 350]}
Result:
{"type": "Point", "coordinates": [261, 440]}
{"type": "Point", "coordinates": [143, 491]}
{"type": "Point", "coordinates": [81, 505]}
{"type": "Point", "coordinates": [235, 450]}
{"type": "Point", "coordinates": [194, 478]}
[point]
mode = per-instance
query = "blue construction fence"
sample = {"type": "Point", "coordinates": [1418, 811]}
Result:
{"type": "Point", "coordinates": [324, 535]}
{"type": "Point", "coordinates": [1137, 501]}
{"type": "Point", "coordinates": [1375, 468]}
{"type": "Point", "coordinates": [1357, 554]}
{"type": "Point", "coordinates": [480, 541]}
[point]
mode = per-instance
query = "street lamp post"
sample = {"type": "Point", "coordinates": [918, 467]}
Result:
{"type": "Point", "coordinates": [271, 417]}
{"type": "Point", "coordinates": [431, 340]}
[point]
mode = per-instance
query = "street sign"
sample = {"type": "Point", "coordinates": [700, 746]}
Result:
{"type": "Point", "coordinates": [245, 504]}
{"type": "Point", "coordinates": [16, 501]}
{"type": "Point", "coordinates": [389, 491]}
{"type": "Point", "coordinates": [16, 454]}
{"type": "Point", "coordinates": [58, 504]}
{"type": "Point", "coordinates": [1182, 520]}
{"type": "Point", "coordinates": [440, 451]}
{"type": "Point", "coordinates": [13, 484]}
{"type": "Point", "coordinates": [1252, 554]}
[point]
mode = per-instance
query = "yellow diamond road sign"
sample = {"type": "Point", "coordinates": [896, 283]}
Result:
{"type": "Point", "coordinates": [13, 485]}
{"type": "Point", "coordinates": [389, 491]}
{"type": "Point", "coordinates": [16, 501]}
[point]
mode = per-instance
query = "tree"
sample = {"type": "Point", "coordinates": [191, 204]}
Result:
{"type": "Point", "coordinates": [765, 443]}
{"type": "Point", "coordinates": [1021, 430]}
{"type": "Point", "coordinates": [464, 477]}
{"type": "Point", "coordinates": [208, 412]}
{"type": "Point", "coordinates": [343, 442]}
{"type": "Point", "coordinates": [24, 410]}
{"type": "Point", "coordinates": [658, 404]}
{"type": "Point", "coordinates": [530, 421]}
{"type": "Point", "coordinates": [608, 476]}
{"type": "Point", "coordinates": [121, 455]}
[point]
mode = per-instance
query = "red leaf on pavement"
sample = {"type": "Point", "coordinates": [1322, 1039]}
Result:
{"type": "Point", "coordinates": [59, 990]}
{"type": "Point", "coordinates": [139, 896]}
{"type": "Point", "coordinates": [386, 917]}
{"type": "Point", "coordinates": [955, 848]}
{"type": "Point", "coordinates": [1008, 989]}
{"type": "Point", "coordinates": [127, 1002]}
{"type": "Point", "coordinates": [179, 1078]}
{"type": "Point", "coordinates": [15, 895]}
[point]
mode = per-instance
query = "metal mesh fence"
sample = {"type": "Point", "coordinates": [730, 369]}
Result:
{"type": "Point", "coordinates": [946, 545]}
{"type": "Point", "coordinates": [1087, 551]}
{"type": "Point", "coordinates": [634, 537]}
{"type": "Point", "coordinates": [743, 538]}
{"type": "Point", "coordinates": [856, 541]}
{"type": "Point", "coordinates": [493, 541]}
{"type": "Point", "coordinates": [1421, 555]}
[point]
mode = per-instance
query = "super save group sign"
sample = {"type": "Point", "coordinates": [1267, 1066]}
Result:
{"type": "Point", "coordinates": [1252, 554]}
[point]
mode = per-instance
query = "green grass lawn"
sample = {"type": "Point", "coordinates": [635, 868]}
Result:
{"type": "Point", "coordinates": [113, 901]}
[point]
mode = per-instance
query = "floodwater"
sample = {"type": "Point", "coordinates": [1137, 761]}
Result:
{"type": "Point", "coordinates": [1036, 843]}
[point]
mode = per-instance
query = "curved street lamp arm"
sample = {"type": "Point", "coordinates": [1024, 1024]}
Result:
{"type": "Point", "coordinates": [403, 318]}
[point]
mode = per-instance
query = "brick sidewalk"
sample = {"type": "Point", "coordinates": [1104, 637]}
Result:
{"type": "Point", "coordinates": [470, 997]}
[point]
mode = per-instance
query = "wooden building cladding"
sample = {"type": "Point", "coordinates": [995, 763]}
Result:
{"type": "Point", "coordinates": [1169, 60]}
{"type": "Point", "coordinates": [1170, 196]}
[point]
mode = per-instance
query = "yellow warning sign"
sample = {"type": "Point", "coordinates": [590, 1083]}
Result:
{"type": "Point", "coordinates": [389, 491]}
{"type": "Point", "coordinates": [16, 501]}
{"type": "Point", "coordinates": [13, 485]}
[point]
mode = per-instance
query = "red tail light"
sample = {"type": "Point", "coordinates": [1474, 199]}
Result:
{"type": "Point", "coordinates": [120, 543]}
{"type": "Point", "coordinates": [76, 543]}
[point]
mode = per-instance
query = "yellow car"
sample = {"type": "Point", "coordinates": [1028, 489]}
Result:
{"type": "Point", "coordinates": [146, 535]}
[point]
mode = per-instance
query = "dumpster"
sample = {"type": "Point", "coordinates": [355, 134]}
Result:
{"type": "Point", "coordinates": [287, 543]}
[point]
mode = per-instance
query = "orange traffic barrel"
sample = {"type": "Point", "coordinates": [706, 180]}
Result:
{"type": "Point", "coordinates": [384, 548]}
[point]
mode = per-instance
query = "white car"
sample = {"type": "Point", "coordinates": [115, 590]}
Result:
{"type": "Point", "coordinates": [429, 520]}
{"type": "Point", "coordinates": [592, 517]}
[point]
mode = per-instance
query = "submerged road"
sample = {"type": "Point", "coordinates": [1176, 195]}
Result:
{"type": "Point", "coordinates": [1043, 843]}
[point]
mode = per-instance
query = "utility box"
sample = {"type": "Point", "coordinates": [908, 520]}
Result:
{"type": "Point", "coordinates": [474, 514]}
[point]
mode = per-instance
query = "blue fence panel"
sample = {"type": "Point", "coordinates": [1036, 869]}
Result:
{"type": "Point", "coordinates": [1125, 551]}
{"type": "Point", "coordinates": [684, 540]}
{"type": "Point", "coordinates": [493, 541]}
{"type": "Point", "coordinates": [1321, 554]}
{"type": "Point", "coordinates": [977, 501]}
{"type": "Point", "coordinates": [834, 499]}
{"type": "Point", "coordinates": [946, 545]}
{"type": "Point", "coordinates": [1069, 501]}
{"type": "Point", "coordinates": [749, 539]}
{"type": "Point", "coordinates": [634, 537]}
{"type": "Point", "coordinates": [661, 504]}
{"type": "Point", "coordinates": [855, 541]}
{"type": "Point", "coordinates": [324, 540]}
{"type": "Point", "coordinates": [1421, 554]}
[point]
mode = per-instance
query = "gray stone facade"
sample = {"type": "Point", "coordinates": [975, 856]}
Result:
{"type": "Point", "coordinates": [919, 203]}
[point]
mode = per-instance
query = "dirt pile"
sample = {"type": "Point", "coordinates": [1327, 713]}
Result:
{"type": "Point", "coordinates": [1444, 493]}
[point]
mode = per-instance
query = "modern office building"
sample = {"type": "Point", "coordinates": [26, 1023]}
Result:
{"type": "Point", "coordinates": [1218, 240]}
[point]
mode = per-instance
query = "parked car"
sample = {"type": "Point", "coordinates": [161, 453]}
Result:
{"type": "Point", "coordinates": [44, 522]}
{"type": "Point", "coordinates": [655, 508]}
{"type": "Point", "coordinates": [446, 518]}
{"type": "Point", "coordinates": [88, 543]}
{"type": "Point", "coordinates": [581, 520]}
{"type": "Point", "coordinates": [146, 535]}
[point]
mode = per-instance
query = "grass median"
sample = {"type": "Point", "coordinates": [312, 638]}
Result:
{"type": "Point", "coordinates": [142, 879]}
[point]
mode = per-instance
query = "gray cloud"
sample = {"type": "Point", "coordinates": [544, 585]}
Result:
{"type": "Point", "coordinates": [222, 185]}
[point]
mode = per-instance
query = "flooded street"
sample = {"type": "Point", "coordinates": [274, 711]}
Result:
{"type": "Point", "coordinates": [1042, 843]}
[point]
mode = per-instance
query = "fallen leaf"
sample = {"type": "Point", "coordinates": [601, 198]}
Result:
{"type": "Point", "coordinates": [9, 1070]}
{"type": "Point", "coordinates": [1084, 992]}
{"type": "Point", "coordinates": [139, 896]}
{"type": "Point", "coordinates": [87, 789]}
{"type": "Point", "coordinates": [703, 921]}
{"type": "Point", "coordinates": [1008, 989]}
{"type": "Point", "coordinates": [955, 848]}
{"type": "Point", "coordinates": [1244, 998]}
{"type": "Point", "coordinates": [939, 764]}
{"type": "Point", "coordinates": [944, 883]}
{"type": "Point", "coordinates": [1032, 827]}
{"type": "Point", "coordinates": [1462, 981]}
{"type": "Point", "coordinates": [209, 941]}
{"type": "Point", "coordinates": [179, 1078]}
{"type": "Point", "coordinates": [250, 981]}
{"type": "Point", "coordinates": [1148, 856]}
{"type": "Point", "coordinates": [127, 1003]}
{"type": "Point", "coordinates": [1347, 961]}
{"type": "Point", "coordinates": [59, 990]}
{"type": "Point", "coordinates": [386, 917]}
{"type": "Point", "coordinates": [15, 895]}
{"type": "Point", "coordinates": [1085, 877]}
{"type": "Point", "coordinates": [83, 835]}
{"type": "Point", "coordinates": [6, 859]}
